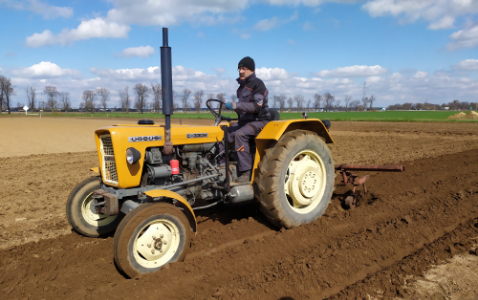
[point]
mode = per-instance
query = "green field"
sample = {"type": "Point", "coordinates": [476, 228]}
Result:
{"type": "Point", "coordinates": [380, 116]}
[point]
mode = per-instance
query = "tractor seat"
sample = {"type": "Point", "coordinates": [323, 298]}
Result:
{"type": "Point", "coordinates": [274, 114]}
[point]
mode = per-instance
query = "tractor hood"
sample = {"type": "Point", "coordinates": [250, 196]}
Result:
{"type": "Point", "coordinates": [112, 142]}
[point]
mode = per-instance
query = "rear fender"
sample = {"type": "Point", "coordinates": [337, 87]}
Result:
{"type": "Point", "coordinates": [274, 130]}
{"type": "Point", "coordinates": [187, 209]}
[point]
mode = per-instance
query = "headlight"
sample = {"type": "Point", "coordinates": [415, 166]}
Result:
{"type": "Point", "coordinates": [132, 155]}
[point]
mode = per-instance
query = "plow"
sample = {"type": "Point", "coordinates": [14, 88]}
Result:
{"type": "Point", "coordinates": [353, 179]}
{"type": "Point", "coordinates": [153, 178]}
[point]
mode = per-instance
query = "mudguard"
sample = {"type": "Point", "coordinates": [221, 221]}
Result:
{"type": "Point", "coordinates": [188, 211]}
{"type": "Point", "coordinates": [274, 130]}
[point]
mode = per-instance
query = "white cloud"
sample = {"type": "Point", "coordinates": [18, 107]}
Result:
{"type": "Point", "coordinates": [167, 12]}
{"type": "Point", "coordinates": [465, 38]}
{"type": "Point", "coordinates": [353, 71]}
{"type": "Point", "coordinates": [45, 69]}
{"type": "Point", "coordinates": [307, 2]}
{"type": "Point", "coordinates": [467, 64]}
{"type": "Point", "coordinates": [420, 74]}
{"type": "Point", "coordinates": [219, 71]}
{"type": "Point", "coordinates": [94, 28]}
{"type": "Point", "coordinates": [245, 36]}
{"type": "Point", "coordinates": [439, 87]}
{"type": "Point", "coordinates": [267, 24]}
{"type": "Point", "coordinates": [151, 73]}
{"type": "Point", "coordinates": [439, 13]}
{"type": "Point", "coordinates": [291, 42]}
{"type": "Point", "coordinates": [308, 26]}
{"type": "Point", "coordinates": [38, 7]}
{"type": "Point", "coordinates": [374, 79]}
{"type": "Point", "coordinates": [141, 51]}
{"type": "Point", "coordinates": [271, 73]}
{"type": "Point", "coordinates": [49, 11]}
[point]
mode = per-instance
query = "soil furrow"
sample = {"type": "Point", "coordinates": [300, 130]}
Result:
{"type": "Point", "coordinates": [401, 213]}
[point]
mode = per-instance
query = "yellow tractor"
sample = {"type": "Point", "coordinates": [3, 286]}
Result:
{"type": "Point", "coordinates": [153, 178]}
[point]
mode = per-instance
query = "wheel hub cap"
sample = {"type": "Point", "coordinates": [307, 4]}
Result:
{"type": "Point", "coordinates": [308, 184]}
{"type": "Point", "coordinates": [155, 242]}
{"type": "Point", "coordinates": [305, 181]}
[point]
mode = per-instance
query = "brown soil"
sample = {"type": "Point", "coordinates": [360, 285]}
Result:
{"type": "Point", "coordinates": [431, 208]}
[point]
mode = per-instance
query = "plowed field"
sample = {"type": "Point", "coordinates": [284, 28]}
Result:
{"type": "Point", "coordinates": [406, 222]}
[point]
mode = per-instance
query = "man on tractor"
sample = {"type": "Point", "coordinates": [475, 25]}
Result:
{"type": "Point", "coordinates": [253, 113]}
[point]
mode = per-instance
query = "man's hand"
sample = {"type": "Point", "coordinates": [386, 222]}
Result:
{"type": "Point", "coordinates": [231, 105]}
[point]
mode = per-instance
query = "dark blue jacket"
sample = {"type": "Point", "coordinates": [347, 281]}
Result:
{"type": "Point", "coordinates": [253, 100]}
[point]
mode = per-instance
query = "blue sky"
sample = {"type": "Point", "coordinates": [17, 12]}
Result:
{"type": "Point", "coordinates": [405, 51]}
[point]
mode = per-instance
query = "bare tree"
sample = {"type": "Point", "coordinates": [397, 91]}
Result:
{"type": "Point", "coordinates": [1, 93]}
{"type": "Point", "coordinates": [290, 101]}
{"type": "Point", "coordinates": [184, 100]}
{"type": "Point", "coordinates": [125, 99]}
{"type": "Point", "coordinates": [6, 90]}
{"type": "Point", "coordinates": [175, 98]}
{"type": "Point", "coordinates": [308, 104]}
{"type": "Point", "coordinates": [52, 92]}
{"type": "Point", "coordinates": [88, 97]}
{"type": "Point", "coordinates": [142, 92]}
{"type": "Point", "coordinates": [329, 100]}
{"type": "Point", "coordinates": [371, 100]}
{"type": "Point", "coordinates": [211, 96]}
{"type": "Point", "coordinates": [274, 101]}
{"type": "Point", "coordinates": [281, 99]}
{"type": "Point", "coordinates": [299, 100]}
{"type": "Point", "coordinates": [157, 93]}
{"type": "Point", "coordinates": [347, 102]}
{"type": "Point", "coordinates": [222, 97]}
{"type": "Point", "coordinates": [233, 97]}
{"type": "Point", "coordinates": [354, 104]}
{"type": "Point", "coordinates": [337, 103]}
{"type": "Point", "coordinates": [365, 101]}
{"type": "Point", "coordinates": [104, 93]}
{"type": "Point", "coordinates": [198, 100]}
{"type": "Point", "coordinates": [65, 101]}
{"type": "Point", "coordinates": [30, 97]}
{"type": "Point", "coordinates": [317, 101]}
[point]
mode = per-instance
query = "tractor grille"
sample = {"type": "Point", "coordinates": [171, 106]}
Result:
{"type": "Point", "coordinates": [109, 164]}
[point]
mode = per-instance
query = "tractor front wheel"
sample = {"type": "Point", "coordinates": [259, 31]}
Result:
{"type": "Point", "coordinates": [296, 179]}
{"type": "Point", "coordinates": [81, 212]}
{"type": "Point", "coordinates": [149, 237]}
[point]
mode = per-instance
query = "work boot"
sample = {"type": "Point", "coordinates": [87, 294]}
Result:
{"type": "Point", "coordinates": [245, 177]}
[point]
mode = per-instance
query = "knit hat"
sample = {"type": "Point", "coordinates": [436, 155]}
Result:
{"type": "Point", "coordinates": [247, 62]}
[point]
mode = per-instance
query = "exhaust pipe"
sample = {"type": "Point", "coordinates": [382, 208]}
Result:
{"type": "Point", "coordinates": [167, 91]}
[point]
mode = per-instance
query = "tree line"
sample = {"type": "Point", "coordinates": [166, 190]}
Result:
{"type": "Point", "coordinates": [149, 98]}
{"type": "Point", "coordinates": [453, 105]}
{"type": "Point", "coordinates": [326, 102]}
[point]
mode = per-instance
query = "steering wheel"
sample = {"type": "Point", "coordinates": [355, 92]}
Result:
{"type": "Point", "coordinates": [217, 115]}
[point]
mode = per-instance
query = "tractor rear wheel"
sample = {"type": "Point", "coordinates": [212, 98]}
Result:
{"type": "Point", "coordinates": [82, 215]}
{"type": "Point", "coordinates": [296, 179]}
{"type": "Point", "coordinates": [149, 237]}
